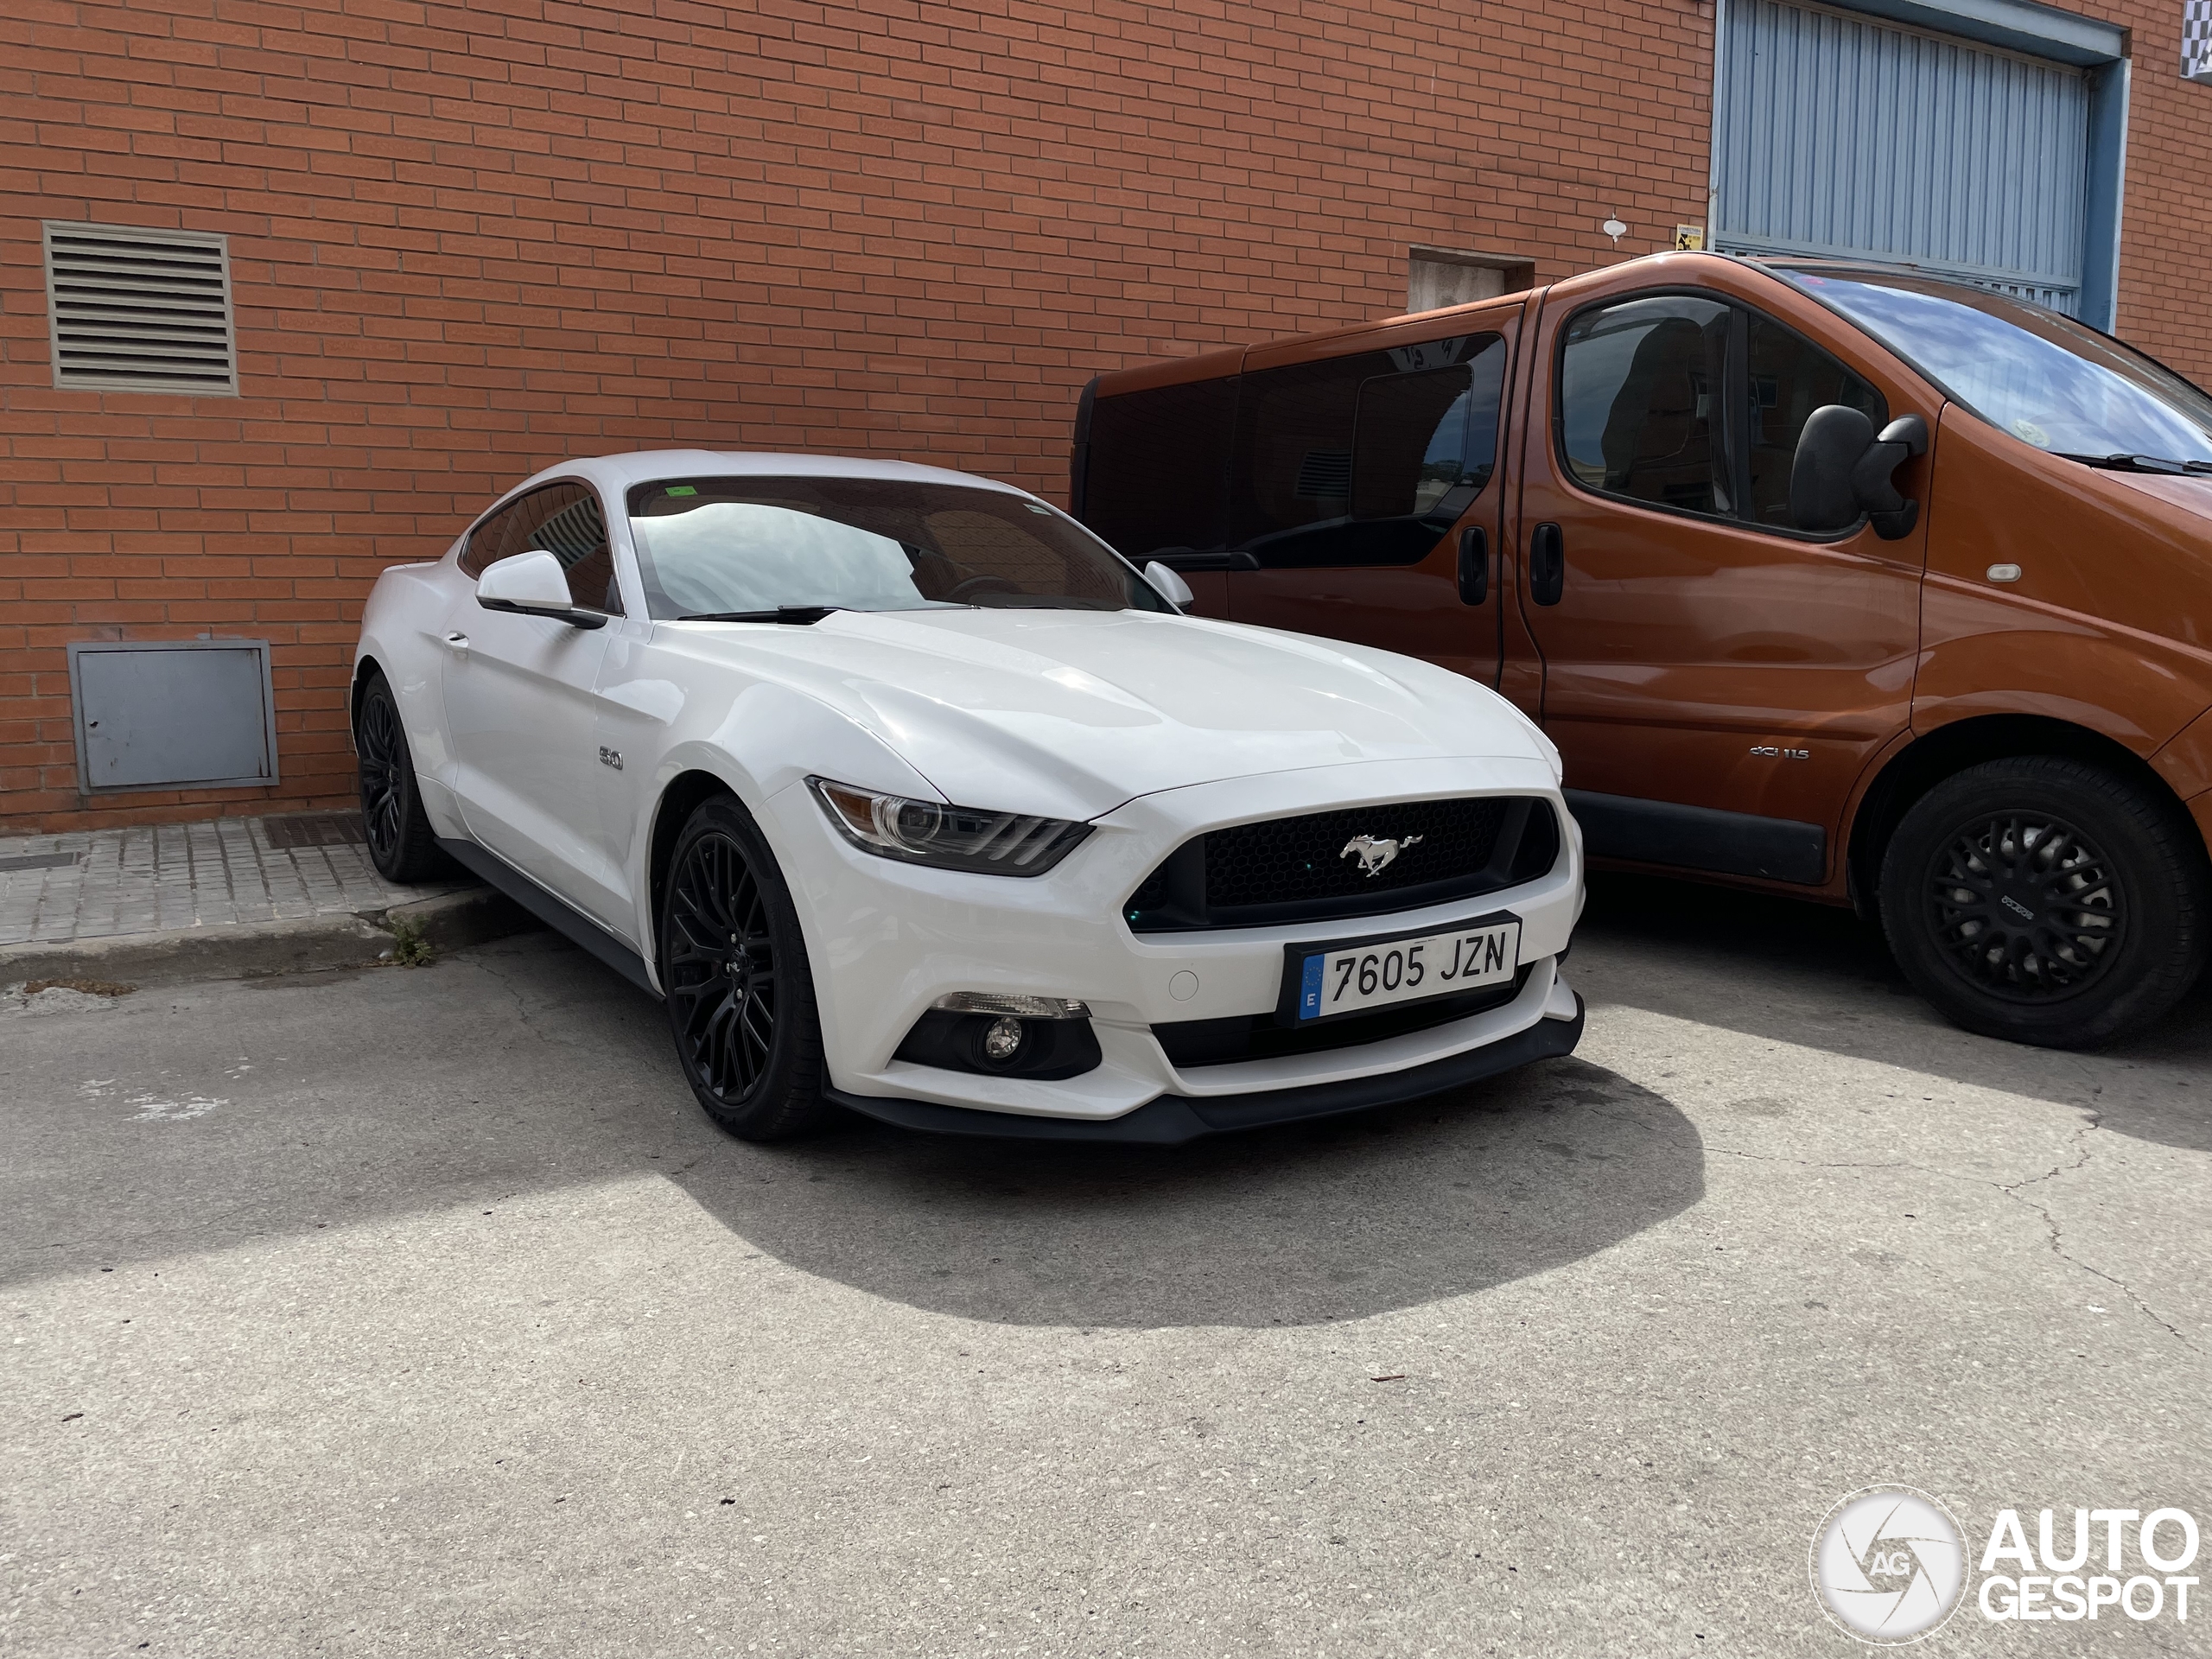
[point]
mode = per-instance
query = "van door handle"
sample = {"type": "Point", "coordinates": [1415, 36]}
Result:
{"type": "Point", "coordinates": [1474, 566]}
{"type": "Point", "coordinates": [1547, 564]}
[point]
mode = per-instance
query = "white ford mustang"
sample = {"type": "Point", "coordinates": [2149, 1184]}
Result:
{"type": "Point", "coordinates": [907, 795]}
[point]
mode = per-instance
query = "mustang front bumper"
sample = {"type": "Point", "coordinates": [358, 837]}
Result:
{"type": "Point", "coordinates": [887, 939]}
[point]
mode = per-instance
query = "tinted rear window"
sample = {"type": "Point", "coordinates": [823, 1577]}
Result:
{"type": "Point", "coordinates": [1158, 461]}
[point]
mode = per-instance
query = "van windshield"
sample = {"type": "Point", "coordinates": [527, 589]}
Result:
{"type": "Point", "coordinates": [2044, 377]}
{"type": "Point", "coordinates": [731, 548]}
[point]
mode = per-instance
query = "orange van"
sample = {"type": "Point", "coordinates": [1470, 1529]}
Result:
{"type": "Point", "coordinates": [1840, 582]}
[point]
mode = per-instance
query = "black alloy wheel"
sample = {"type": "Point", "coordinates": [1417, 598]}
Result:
{"type": "Point", "coordinates": [2047, 900]}
{"type": "Point", "coordinates": [402, 844]}
{"type": "Point", "coordinates": [734, 969]}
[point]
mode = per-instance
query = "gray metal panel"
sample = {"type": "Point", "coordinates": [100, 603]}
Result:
{"type": "Point", "coordinates": [165, 714]}
{"type": "Point", "coordinates": [2018, 25]}
{"type": "Point", "coordinates": [1842, 136]}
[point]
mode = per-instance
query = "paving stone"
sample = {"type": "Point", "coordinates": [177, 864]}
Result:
{"type": "Point", "coordinates": [150, 877]}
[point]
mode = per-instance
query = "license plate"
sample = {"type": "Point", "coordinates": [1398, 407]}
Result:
{"type": "Point", "coordinates": [1356, 978]}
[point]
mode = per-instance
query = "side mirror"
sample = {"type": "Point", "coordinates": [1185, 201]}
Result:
{"type": "Point", "coordinates": [532, 584]}
{"type": "Point", "coordinates": [1892, 515]}
{"type": "Point", "coordinates": [1170, 586]}
{"type": "Point", "coordinates": [1843, 471]}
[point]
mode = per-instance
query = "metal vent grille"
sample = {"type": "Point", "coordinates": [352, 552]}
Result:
{"type": "Point", "coordinates": [145, 310]}
{"type": "Point", "coordinates": [297, 830]}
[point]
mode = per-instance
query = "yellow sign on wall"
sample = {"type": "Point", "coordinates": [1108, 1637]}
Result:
{"type": "Point", "coordinates": [1689, 237]}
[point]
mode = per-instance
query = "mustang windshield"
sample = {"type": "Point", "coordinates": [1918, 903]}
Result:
{"type": "Point", "coordinates": [2043, 378]}
{"type": "Point", "coordinates": [753, 546]}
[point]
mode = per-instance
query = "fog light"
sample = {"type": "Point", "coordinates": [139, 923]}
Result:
{"type": "Point", "coordinates": [1003, 1041]}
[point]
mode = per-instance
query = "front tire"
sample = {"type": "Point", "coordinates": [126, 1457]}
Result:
{"type": "Point", "coordinates": [734, 969]}
{"type": "Point", "coordinates": [2047, 901]}
{"type": "Point", "coordinates": [402, 844]}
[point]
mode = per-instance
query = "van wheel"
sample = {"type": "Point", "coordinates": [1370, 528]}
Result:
{"type": "Point", "coordinates": [733, 966]}
{"type": "Point", "coordinates": [2047, 901]}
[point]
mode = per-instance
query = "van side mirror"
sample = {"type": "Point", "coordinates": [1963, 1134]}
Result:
{"type": "Point", "coordinates": [1170, 586]}
{"type": "Point", "coordinates": [532, 584]}
{"type": "Point", "coordinates": [1843, 471]}
{"type": "Point", "coordinates": [1892, 515]}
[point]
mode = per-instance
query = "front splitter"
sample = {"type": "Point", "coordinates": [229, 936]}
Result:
{"type": "Point", "coordinates": [1171, 1119]}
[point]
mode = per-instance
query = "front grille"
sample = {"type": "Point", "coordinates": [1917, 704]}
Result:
{"type": "Point", "coordinates": [1311, 869]}
{"type": "Point", "coordinates": [1189, 1043]}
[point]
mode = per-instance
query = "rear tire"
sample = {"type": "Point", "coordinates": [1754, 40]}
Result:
{"type": "Point", "coordinates": [402, 844]}
{"type": "Point", "coordinates": [2047, 901]}
{"type": "Point", "coordinates": [734, 969]}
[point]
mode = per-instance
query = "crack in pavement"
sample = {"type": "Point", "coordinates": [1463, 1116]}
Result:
{"type": "Point", "coordinates": [2012, 1190]}
{"type": "Point", "coordinates": [522, 1009]}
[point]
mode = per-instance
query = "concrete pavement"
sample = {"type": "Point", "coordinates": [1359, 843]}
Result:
{"type": "Point", "coordinates": [420, 1312]}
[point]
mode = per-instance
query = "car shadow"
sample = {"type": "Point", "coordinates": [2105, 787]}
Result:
{"type": "Point", "coordinates": [1338, 1220]}
{"type": "Point", "coordinates": [225, 1114]}
{"type": "Point", "coordinates": [1814, 976]}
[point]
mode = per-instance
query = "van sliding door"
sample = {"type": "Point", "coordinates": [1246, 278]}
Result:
{"type": "Point", "coordinates": [1361, 493]}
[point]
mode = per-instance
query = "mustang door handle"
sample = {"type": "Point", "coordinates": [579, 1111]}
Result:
{"type": "Point", "coordinates": [1547, 564]}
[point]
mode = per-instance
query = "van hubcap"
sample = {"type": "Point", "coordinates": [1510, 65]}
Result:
{"type": "Point", "coordinates": [2025, 906]}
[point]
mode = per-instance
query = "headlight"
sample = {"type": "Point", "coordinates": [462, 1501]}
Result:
{"type": "Point", "coordinates": [948, 837]}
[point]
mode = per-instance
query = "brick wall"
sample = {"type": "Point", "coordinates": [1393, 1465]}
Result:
{"type": "Point", "coordinates": [2166, 260]}
{"type": "Point", "coordinates": [468, 241]}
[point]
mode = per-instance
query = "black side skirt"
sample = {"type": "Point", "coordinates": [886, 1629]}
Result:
{"type": "Point", "coordinates": [1699, 838]}
{"type": "Point", "coordinates": [556, 913]}
{"type": "Point", "coordinates": [1173, 1119]}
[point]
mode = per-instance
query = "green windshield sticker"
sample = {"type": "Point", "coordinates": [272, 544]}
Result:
{"type": "Point", "coordinates": [681, 489]}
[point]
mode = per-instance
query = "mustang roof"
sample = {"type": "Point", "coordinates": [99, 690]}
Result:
{"type": "Point", "coordinates": [618, 472]}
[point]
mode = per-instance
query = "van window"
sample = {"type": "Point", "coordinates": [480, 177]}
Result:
{"type": "Point", "coordinates": [2046, 379]}
{"type": "Point", "coordinates": [1364, 459]}
{"type": "Point", "coordinates": [1642, 413]}
{"type": "Point", "coordinates": [1790, 378]}
{"type": "Point", "coordinates": [1158, 467]}
{"type": "Point", "coordinates": [1638, 415]}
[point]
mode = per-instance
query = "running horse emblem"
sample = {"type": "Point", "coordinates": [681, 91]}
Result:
{"type": "Point", "coordinates": [1376, 856]}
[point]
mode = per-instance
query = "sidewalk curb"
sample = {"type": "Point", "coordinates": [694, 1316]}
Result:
{"type": "Point", "coordinates": [453, 921]}
{"type": "Point", "coordinates": [448, 921]}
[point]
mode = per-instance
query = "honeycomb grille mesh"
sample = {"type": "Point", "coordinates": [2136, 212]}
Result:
{"type": "Point", "coordinates": [1300, 860]}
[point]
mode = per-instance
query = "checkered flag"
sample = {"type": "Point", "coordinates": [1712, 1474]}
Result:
{"type": "Point", "coordinates": [2196, 40]}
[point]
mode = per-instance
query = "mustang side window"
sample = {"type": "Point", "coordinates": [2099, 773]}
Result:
{"type": "Point", "coordinates": [483, 541]}
{"type": "Point", "coordinates": [565, 520]}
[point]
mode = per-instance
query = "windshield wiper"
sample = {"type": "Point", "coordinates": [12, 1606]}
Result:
{"type": "Point", "coordinates": [804, 616]}
{"type": "Point", "coordinates": [2139, 463]}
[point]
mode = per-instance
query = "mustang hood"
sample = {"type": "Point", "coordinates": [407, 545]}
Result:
{"type": "Point", "coordinates": [1075, 712]}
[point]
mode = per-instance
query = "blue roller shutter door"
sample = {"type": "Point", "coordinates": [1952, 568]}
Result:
{"type": "Point", "coordinates": [1849, 137]}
